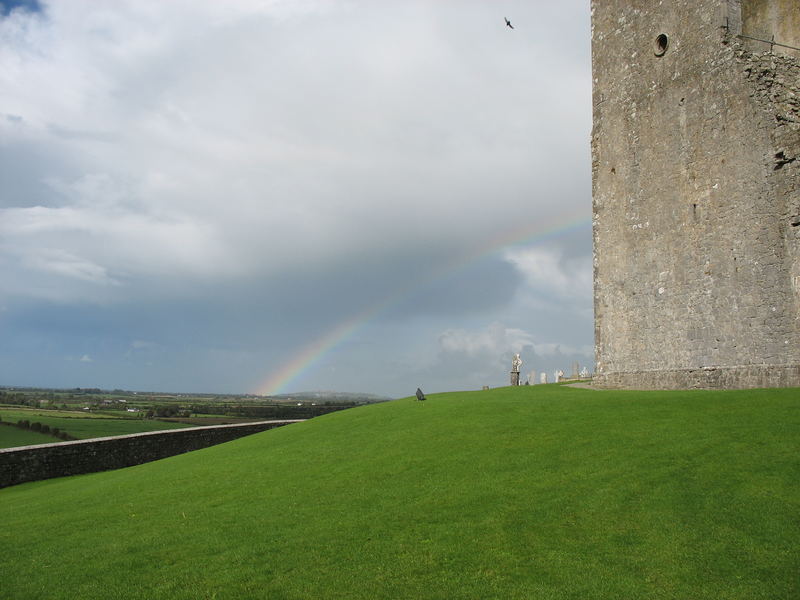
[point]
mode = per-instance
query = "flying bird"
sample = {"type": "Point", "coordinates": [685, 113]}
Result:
{"type": "Point", "coordinates": [508, 23]}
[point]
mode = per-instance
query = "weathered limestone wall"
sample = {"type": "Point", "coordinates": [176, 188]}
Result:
{"type": "Point", "coordinates": [696, 194]}
{"type": "Point", "coordinates": [751, 376]}
{"type": "Point", "coordinates": [764, 19]}
{"type": "Point", "coordinates": [33, 463]}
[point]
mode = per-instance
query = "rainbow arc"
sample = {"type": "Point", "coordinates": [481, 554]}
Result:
{"type": "Point", "coordinates": [282, 378]}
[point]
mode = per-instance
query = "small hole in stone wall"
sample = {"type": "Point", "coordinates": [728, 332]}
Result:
{"type": "Point", "coordinates": [613, 170]}
{"type": "Point", "coordinates": [661, 45]}
{"type": "Point", "coordinates": [781, 159]}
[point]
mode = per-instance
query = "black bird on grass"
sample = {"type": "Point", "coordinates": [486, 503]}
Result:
{"type": "Point", "coordinates": [508, 23]}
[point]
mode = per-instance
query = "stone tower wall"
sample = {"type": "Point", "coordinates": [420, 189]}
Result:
{"type": "Point", "coordinates": [696, 193]}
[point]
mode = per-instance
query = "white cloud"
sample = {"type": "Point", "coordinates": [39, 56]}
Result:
{"type": "Point", "coordinates": [496, 338]}
{"type": "Point", "coordinates": [60, 262]}
{"type": "Point", "coordinates": [549, 270]}
{"type": "Point", "coordinates": [86, 358]}
{"type": "Point", "coordinates": [143, 345]}
{"type": "Point", "coordinates": [209, 138]}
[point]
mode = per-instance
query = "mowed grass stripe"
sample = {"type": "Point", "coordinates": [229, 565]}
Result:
{"type": "Point", "coordinates": [530, 492]}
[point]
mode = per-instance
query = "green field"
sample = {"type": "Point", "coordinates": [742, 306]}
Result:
{"type": "Point", "coordinates": [17, 412]}
{"type": "Point", "coordinates": [13, 436]}
{"type": "Point", "coordinates": [539, 492]}
{"type": "Point", "coordinates": [85, 425]}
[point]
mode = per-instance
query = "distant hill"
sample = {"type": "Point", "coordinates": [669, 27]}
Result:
{"type": "Point", "coordinates": [530, 492]}
{"type": "Point", "coordinates": [324, 396]}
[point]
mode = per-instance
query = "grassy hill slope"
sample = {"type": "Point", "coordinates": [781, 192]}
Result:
{"type": "Point", "coordinates": [529, 492]}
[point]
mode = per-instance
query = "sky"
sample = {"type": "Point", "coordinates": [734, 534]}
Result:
{"type": "Point", "coordinates": [275, 196]}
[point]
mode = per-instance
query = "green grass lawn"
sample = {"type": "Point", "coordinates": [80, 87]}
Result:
{"type": "Point", "coordinates": [85, 426]}
{"type": "Point", "coordinates": [13, 436]}
{"type": "Point", "coordinates": [539, 492]}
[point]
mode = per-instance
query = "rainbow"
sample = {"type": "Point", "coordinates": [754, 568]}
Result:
{"type": "Point", "coordinates": [280, 379]}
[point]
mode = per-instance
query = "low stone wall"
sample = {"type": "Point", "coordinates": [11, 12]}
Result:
{"type": "Point", "coordinates": [43, 461]}
{"type": "Point", "coordinates": [741, 377]}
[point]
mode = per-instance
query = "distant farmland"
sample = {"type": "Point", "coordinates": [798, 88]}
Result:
{"type": "Point", "coordinates": [89, 413]}
{"type": "Point", "coordinates": [84, 426]}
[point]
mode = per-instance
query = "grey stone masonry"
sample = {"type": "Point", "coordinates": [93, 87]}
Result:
{"type": "Point", "coordinates": [696, 193]}
{"type": "Point", "coordinates": [44, 461]}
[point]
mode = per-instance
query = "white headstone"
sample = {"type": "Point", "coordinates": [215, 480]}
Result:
{"type": "Point", "coordinates": [543, 377]}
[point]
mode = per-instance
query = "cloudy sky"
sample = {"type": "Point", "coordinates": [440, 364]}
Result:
{"type": "Point", "coordinates": [286, 195]}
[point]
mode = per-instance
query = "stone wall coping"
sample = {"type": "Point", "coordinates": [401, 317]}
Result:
{"type": "Point", "coordinates": [147, 433]}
